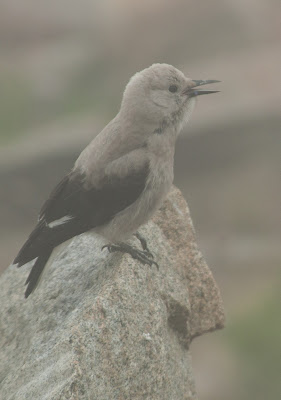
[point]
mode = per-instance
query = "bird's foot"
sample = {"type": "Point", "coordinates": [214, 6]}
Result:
{"type": "Point", "coordinates": [139, 255]}
{"type": "Point", "coordinates": [143, 243]}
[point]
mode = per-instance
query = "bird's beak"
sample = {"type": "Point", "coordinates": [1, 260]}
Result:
{"type": "Point", "coordinates": [192, 91]}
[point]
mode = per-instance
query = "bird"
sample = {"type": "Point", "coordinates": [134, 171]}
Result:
{"type": "Point", "coordinates": [122, 177]}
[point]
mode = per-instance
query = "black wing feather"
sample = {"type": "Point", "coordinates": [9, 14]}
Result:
{"type": "Point", "coordinates": [54, 196]}
{"type": "Point", "coordinates": [87, 207]}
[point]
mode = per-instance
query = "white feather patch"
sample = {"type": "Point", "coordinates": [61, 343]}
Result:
{"type": "Point", "coordinates": [60, 221]}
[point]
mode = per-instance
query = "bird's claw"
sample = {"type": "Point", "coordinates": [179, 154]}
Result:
{"type": "Point", "coordinates": [143, 243]}
{"type": "Point", "coordinates": [145, 257]}
{"type": "Point", "coordinates": [109, 247]}
{"type": "Point", "coordinates": [148, 254]}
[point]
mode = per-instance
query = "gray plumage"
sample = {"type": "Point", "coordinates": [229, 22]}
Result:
{"type": "Point", "coordinates": [123, 175]}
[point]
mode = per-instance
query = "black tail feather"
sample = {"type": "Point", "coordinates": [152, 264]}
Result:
{"type": "Point", "coordinates": [32, 246]}
{"type": "Point", "coordinates": [36, 271]}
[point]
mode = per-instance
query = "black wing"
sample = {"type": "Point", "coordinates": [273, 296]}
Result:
{"type": "Point", "coordinates": [86, 209]}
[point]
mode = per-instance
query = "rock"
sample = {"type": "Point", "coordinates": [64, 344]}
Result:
{"type": "Point", "coordinates": [103, 326]}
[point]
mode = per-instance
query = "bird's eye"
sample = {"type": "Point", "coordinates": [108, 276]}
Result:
{"type": "Point", "coordinates": [173, 88]}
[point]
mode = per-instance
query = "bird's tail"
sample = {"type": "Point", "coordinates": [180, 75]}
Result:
{"type": "Point", "coordinates": [36, 271]}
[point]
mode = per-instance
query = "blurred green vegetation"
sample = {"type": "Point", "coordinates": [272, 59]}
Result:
{"type": "Point", "coordinates": [256, 339]}
{"type": "Point", "coordinates": [16, 106]}
{"type": "Point", "coordinates": [21, 108]}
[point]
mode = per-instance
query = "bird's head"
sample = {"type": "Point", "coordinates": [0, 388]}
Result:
{"type": "Point", "coordinates": [162, 95]}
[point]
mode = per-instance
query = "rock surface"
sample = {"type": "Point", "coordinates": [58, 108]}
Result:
{"type": "Point", "coordinates": [102, 326]}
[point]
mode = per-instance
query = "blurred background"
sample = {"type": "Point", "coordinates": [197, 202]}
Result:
{"type": "Point", "coordinates": [63, 67]}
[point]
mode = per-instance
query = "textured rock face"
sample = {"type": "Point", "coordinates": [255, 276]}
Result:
{"type": "Point", "coordinates": [102, 326]}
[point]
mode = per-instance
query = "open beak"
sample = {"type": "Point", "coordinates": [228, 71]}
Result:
{"type": "Point", "coordinates": [193, 91]}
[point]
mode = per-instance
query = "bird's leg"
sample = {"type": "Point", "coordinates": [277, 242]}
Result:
{"type": "Point", "coordinates": [134, 252]}
{"type": "Point", "coordinates": [143, 244]}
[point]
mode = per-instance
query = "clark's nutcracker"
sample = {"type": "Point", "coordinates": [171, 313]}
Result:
{"type": "Point", "coordinates": [123, 175]}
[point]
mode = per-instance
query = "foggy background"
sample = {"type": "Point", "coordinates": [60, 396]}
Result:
{"type": "Point", "coordinates": [63, 68]}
